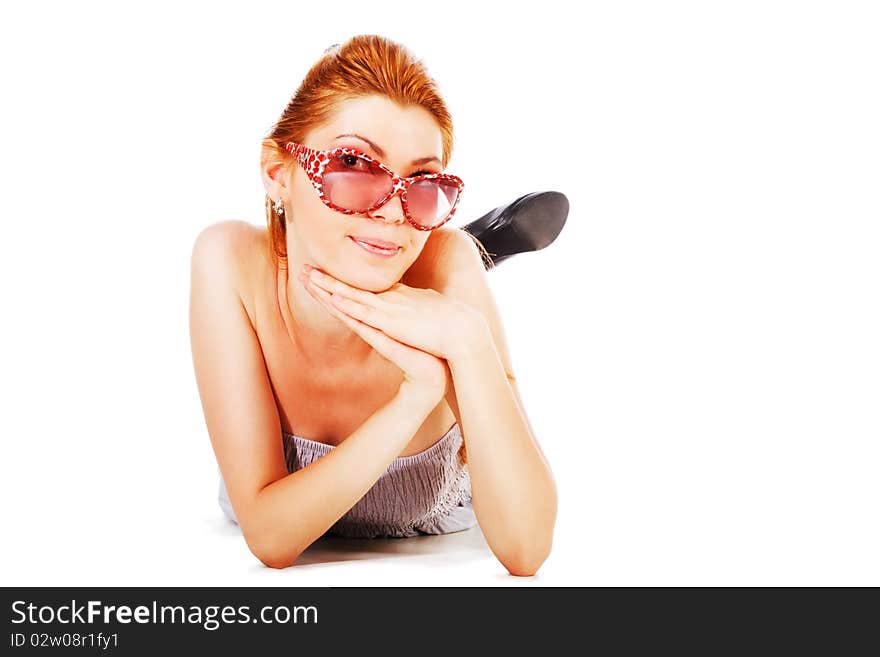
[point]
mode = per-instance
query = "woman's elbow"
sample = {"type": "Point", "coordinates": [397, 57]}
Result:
{"type": "Point", "coordinates": [525, 556]}
{"type": "Point", "coordinates": [524, 567]}
{"type": "Point", "coordinates": [279, 561]}
{"type": "Point", "coordinates": [276, 558]}
{"type": "Point", "coordinates": [271, 554]}
{"type": "Point", "coordinates": [526, 562]}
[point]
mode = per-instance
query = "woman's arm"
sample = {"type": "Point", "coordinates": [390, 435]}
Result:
{"type": "Point", "coordinates": [280, 514]}
{"type": "Point", "coordinates": [297, 509]}
{"type": "Point", "coordinates": [514, 492]}
{"type": "Point", "coordinates": [514, 495]}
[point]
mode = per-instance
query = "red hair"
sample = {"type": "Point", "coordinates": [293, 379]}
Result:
{"type": "Point", "coordinates": [362, 66]}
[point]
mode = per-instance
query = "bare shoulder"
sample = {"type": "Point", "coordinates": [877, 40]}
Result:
{"type": "Point", "coordinates": [230, 251]}
{"type": "Point", "coordinates": [458, 262]}
{"type": "Point", "coordinates": [227, 358]}
{"type": "Point", "coordinates": [446, 252]}
{"type": "Point", "coordinates": [459, 272]}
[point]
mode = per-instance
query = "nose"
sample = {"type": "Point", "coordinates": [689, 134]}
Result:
{"type": "Point", "coordinates": [392, 211]}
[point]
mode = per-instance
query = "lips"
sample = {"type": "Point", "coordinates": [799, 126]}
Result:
{"type": "Point", "coordinates": [381, 244]}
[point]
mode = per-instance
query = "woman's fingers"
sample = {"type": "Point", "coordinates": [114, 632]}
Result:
{"type": "Point", "coordinates": [417, 365]}
{"type": "Point", "coordinates": [367, 314]}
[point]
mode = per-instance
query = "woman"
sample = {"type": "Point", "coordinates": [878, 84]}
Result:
{"type": "Point", "coordinates": [350, 360]}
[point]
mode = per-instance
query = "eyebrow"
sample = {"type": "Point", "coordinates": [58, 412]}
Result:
{"type": "Point", "coordinates": [381, 153]}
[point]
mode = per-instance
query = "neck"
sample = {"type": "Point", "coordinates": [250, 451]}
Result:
{"type": "Point", "coordinates": [324, 338]}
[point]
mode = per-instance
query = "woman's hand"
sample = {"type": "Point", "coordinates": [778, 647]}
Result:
{"type": "Point", "coordinates": [422, 371]}
{"type": "Point", "coordinates": [422, 318]}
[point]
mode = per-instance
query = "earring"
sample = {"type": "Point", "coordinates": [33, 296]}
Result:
{"type": "Point", "coordinates": [278, 207]}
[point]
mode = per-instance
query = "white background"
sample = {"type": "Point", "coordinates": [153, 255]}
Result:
{"type": "Point", "coordinates": [697, 352]}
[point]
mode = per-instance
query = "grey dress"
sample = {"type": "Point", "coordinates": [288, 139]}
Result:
{"type": "Point", "coordinates": [424, 493]}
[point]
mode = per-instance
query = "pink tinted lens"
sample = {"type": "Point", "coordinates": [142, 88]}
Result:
{"type": "Point", "coordinates": [353, 183]}
{"type": "Point", "coordinates": [430, 201]}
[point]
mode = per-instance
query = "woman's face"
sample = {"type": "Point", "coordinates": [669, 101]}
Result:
{"type": "Point", "coordinates": [396, 136]}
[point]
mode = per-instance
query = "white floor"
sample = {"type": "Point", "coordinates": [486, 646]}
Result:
{"type": "Point", "coordinates": [462, 558]}
{"type": "Point", "coordinates": [193, 544]}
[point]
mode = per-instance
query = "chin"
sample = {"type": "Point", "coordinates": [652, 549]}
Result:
{"type": "Point", "coordinates": [374, 281]}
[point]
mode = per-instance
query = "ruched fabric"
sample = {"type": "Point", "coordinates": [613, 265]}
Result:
{"type": "Point", "coordinates": [424, 493]}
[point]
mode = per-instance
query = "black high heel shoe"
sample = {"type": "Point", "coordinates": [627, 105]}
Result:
{"type": "Point", "coordinates": [529, 223]}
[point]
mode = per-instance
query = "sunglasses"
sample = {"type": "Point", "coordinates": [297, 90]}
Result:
{"type": "Point", "coordinates": [352, 182]}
